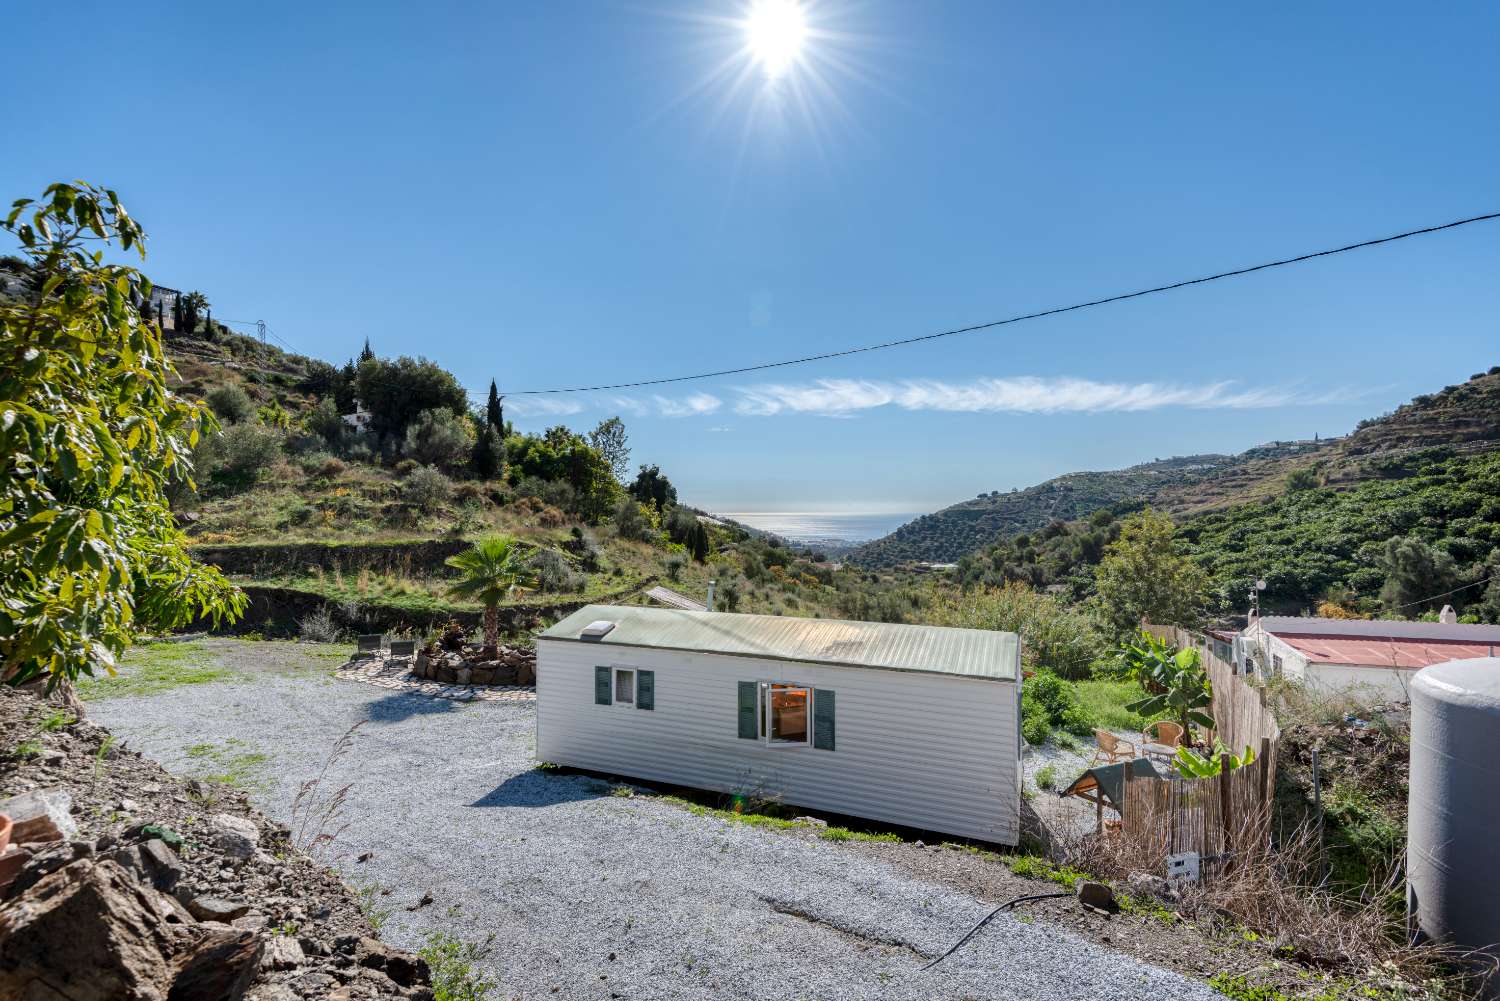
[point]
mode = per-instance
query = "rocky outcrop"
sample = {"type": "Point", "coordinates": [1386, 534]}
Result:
{"type": "Point", "coordinates": [129, 883]}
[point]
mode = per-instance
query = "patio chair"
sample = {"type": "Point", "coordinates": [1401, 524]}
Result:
{"type": "Point", "coordinates": [1165, 732]}
{"type": "Point", "coordinates": [1112, 748]}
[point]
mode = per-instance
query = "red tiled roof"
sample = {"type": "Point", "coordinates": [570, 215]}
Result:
{"type": "Point", "coordinates": [1375, 652]}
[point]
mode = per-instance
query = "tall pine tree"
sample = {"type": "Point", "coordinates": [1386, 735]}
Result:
{"type": "Point", "coordinates": [366, 354]}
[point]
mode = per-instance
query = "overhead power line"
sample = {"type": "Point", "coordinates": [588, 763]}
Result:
{"type": "Point", "coordinates": [1009, 320]}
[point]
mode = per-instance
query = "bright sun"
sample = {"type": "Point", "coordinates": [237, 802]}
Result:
{"type": "Point", "coordinates": [775, 31]}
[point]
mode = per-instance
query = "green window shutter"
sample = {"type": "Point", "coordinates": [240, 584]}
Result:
{"type": "Point", "coordinates": [602, 680]}
{"type": "Point", "coordinates": [823, 719]}
{"type": "Point", "coordinates": [749, 703]}
{"type": "Point", "coordinates": [645, 689]}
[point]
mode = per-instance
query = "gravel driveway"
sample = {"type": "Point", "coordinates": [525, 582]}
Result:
{"type": "Point", "coordinates": [591, 895]}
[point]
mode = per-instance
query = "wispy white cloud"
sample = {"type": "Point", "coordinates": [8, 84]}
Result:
{"type": "Point", "coordinates": [1015, 395]}
{"type": "Point", "coordinates": [696, 405]}
{"type": "Point", "coordinates": [1019, 395]}
{"type": "Point", "coordinates": [544, 406]}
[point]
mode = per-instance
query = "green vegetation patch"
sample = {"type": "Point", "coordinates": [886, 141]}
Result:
{"type": "Point", "coordinates": [1104, 700]}
{"type": "Point", "coordinates": [153, 668]}
{"type": "Point", "coordinates": [232, 763]}
{"type": "Point", "coordinates": [455, 968]}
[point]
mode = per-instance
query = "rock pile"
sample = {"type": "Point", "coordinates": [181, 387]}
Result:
{"type": "Point", "coordinates": [514, 666]}
{"type": "Point", "coordinates": [129, 883]}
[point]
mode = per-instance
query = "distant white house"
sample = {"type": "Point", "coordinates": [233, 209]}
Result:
{"type": "Point", "coordinates": [360, 419]}
{"type": "Point", "coordinates": [911, 725]}
{"type": "Point", "coordinates": [1344, 654]}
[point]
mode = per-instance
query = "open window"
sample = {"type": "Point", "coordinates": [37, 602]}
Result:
{"type": "Point", "coordinates": [786, 713]}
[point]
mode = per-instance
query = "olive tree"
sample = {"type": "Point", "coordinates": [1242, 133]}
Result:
{"type": "Point", "coordinates": [91, 440]}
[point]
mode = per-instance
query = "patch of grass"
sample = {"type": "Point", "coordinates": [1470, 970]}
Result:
{"type": "Point", "coordinates": [454, 964]}
{"type": "Point", "coordinates": [1105, 700]}
{"type": "Point", "coordinates": [1046, 777]}
{"type": "Point", "coordinates": [56, 721]}
{"type": "Point", "coordinates": [230, 764]}
{"type": "Point", "coordinates": [753, 818]}
{"type": "Point", "coordinates": [154, 668]}
{"type": "Point", "coordinates": [27, 749]}
{"type": "Point", "coordinates": [1036, 867]}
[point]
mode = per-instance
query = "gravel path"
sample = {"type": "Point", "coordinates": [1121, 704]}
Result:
{"type": "Point", "coordinates": [592, 895]}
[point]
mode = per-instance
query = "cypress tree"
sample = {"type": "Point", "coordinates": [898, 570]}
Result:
{"type": "Point", "coordinates": [366, 354]}
{"type": "Point", "coordinates": [493, 413]}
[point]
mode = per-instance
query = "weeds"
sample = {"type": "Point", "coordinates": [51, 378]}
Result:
{"type": "Point", "coordinates": [368, 896]}
{"type": "Point", "coordinates": [454, 964]}
{"type": "Point", "coordinates": [56, 721]}
{"type": "Point", "coordinates": [28, 749]}
{"type": "Point", "coordinates": [235, 767]}
{"type": "Point", "coordinates": [105, 746]}
{"type": "Point", "coordinates": [155, 668]}
{"type": "Point", "coordinates": [321, 813]}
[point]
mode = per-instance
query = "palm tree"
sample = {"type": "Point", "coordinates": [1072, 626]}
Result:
{"type": "Point", "coordinates": [491, 570]}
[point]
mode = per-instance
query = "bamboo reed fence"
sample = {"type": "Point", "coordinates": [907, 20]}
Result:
{"type": "Point", "coordinates": [1224, 817]}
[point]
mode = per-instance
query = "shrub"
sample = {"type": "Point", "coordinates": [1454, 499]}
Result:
{"type": "Point", "coordinates": [1047, 697]}
{"type": "Point", "coordinates": [555, 574]}
{"type": "Point", "coordinates": [1046, 777]}
{"type": "Point", "coordinates": [1055, 637]}
{"type": "Point", "coordinates": [237, 458]}
{"type": "Point", "coordinates": [319, 627]}
{"type": "Point", "coordinates": [634, 521]}
{"type": "Point", "coordinates": [330, 469]}
{"type": "Point", "coordinates": [551, 517]}
{"type": "Point", "coordinates": [674, 564]}
{"type": "Point", "coordinates": [324, 421]}
{"type": "Point", "coordinates": [439, 437]}
{"type": "Point", "coordinates": [407, 466]}
{"type": "Point", "coordinates": [557, 493]}
{"type": "Point", "coordinates": [428, 489]}
{"type": "Point", "coordinates": [230, 404]}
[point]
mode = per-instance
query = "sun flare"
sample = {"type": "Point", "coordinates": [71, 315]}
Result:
{"type": "Point", "coordinates": [775, 31]}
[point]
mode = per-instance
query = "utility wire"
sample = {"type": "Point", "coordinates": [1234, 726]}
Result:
{"type": "Point", "coordinates": [1013, 319]}
{"type": "Point", "coordinates": [1435, 597]}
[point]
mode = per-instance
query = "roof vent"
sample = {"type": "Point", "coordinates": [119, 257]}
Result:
{"type": "Point", "coordinates": [597, 630]}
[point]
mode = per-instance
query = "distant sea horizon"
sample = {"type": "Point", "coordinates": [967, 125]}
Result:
{"type": "Point", "coordinates": [823, 526]}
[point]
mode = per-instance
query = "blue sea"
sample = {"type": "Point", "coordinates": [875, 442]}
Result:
{"type": "Point", "coordinates": [817, 526]}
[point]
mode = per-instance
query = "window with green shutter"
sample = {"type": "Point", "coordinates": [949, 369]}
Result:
{"type": "Point", "coordinates": [645, 689]}
{"type": "Point", "coordinates": [602, 682]}
{"type": "Point", "coordinates": [823, 719]}
{"type": "Point", "coordinates": [749, 710]}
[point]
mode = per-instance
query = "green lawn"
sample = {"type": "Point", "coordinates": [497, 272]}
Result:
{"type": "Point", "coordinates": [156, 667]}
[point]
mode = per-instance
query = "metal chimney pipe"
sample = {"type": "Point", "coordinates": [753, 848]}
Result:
{"type": "Point", "coordinates": [710, 601]}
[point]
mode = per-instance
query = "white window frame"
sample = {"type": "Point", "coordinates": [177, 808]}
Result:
{"type": "Point", "coordinates": [763, 693]}
{"type": "Point", "coordinates": [614, 690]}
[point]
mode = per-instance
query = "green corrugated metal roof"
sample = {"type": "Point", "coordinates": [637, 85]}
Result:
{"type": "Point", "coordinates": [970, 653]}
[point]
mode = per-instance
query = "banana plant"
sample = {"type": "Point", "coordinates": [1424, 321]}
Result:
{"type": "Point", "coordinates": [1191, 765]}
{"type": "Point", "coordinates": [1180, 689]}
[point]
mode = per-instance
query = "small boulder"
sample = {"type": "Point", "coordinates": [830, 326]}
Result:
{"type": "Point", "coordinates": [283, 953]}
{"type": "Point", "coordinates": [237, 837]}
{"type": "Point", "coordinates": [462, 676]}
{"type": "Point", "coordinates": [1097, 896]}
{"type": "Point", "coordinates": [482, 676]}
{"type": "Point", "coordinates": [40, 815]}
{"type": "Point", "coordinates": [206, 908]}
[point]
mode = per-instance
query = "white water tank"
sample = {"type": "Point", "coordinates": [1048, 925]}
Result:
{"type": "Point", "coordinates": [1453, 815]}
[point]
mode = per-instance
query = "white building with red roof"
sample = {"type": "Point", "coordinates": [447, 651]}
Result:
{"type": "Point", "coordinates": [1341, 654]}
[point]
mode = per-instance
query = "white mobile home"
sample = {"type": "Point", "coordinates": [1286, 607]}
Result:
{"type": "Point", "coordinates": [911, 725]}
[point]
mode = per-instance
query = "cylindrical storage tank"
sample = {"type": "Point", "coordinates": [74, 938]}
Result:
{"type": "Point", "coordinates": [1453, 805]}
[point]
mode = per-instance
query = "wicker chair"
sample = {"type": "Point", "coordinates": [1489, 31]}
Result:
{"type": "Point", "coordinates": [1113, 748]}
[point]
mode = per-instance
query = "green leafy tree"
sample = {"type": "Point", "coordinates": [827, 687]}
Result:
{"type": "Point", "coordinates": [609, 440]}
{"type": "Point", "coordinates": [651, 486]}
{"type": "Point", "coordinates": [91, 440]}
{"type": "Point", "coordinates": [1144, 577]}
{"type": "Point", "coordinates": [490, 571]}
{"type": "Point", "coordinates": [1418, 576]}
{"type": "Point", "coordinates": [1304, 478]}
{"type": "Point", "coordinates": [397, 392]}
{"type": "Point", "coordinates": [324, 421]}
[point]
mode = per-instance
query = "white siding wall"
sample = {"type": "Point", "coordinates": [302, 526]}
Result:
{"type": "Point", "coordinates": [1360, 679]}
{"type": "Point", "coordinates": [922, 750]}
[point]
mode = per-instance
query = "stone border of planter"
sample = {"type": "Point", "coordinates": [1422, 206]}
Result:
{"type": "Point", "coordinates": [395, 674]}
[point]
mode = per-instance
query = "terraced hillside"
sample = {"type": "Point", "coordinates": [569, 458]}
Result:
{"type": "Point", "coordinates": [1465, 416]}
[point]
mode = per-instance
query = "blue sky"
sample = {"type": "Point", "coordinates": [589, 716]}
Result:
{"type": "Point", "coordinates": [563, 193]}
